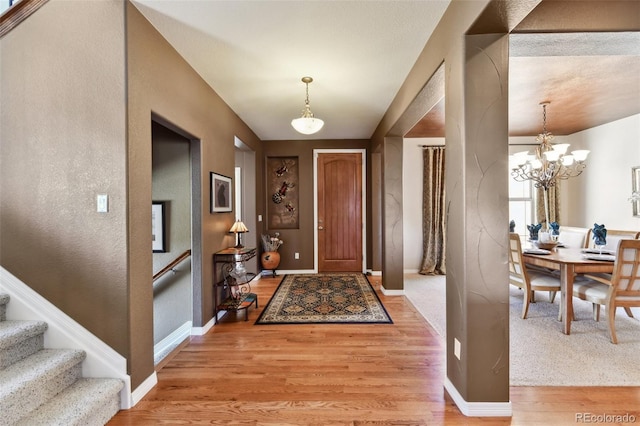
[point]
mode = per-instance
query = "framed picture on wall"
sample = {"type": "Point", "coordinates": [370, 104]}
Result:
{"type": "Point", "coordinates": [221, 193]}
{"type": "Point", "coordinates": [158, 227]}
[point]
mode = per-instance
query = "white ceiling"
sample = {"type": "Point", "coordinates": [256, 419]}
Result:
{"type": "Point", "coordinates": [254, 54]}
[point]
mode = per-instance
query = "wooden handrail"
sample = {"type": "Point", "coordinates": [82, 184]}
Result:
{"type": "Point", "coordinates": [17, 13]}
{"type": "Point", "coordinates": [172, 265]}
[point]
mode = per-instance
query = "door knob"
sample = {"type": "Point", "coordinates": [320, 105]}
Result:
{"type": "Point", "coordinates": [321, 227]}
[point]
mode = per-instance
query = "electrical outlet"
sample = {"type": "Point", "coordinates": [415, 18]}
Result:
{"type": "Point", "coordinates": [296, 256]}
{"type": "Point", "coordinates": [456, 347]}
{"type": "Point", "coordinates": [259, 218]}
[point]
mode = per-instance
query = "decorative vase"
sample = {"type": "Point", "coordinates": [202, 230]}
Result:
{"type": "Point", "coordinates": [270, 260]}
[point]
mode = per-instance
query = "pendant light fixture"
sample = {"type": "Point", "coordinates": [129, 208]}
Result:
{"type": "Point", "coordinates": [548, 164]}
{"type": "Point", "coordinates": [307, 124]}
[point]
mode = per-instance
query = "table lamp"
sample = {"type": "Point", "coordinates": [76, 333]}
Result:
{"type": "Point", "coordinates": [238, 228]}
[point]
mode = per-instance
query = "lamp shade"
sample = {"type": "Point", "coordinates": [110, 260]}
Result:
{"type": "Point", "coordinates": [580, 154]}
{"type": "Point", "coordinates": [238, 227]}
{"type": "Point", "coordinates": [307, 125]}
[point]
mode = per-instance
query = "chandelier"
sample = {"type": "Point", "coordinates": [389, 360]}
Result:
{"type": "Point", "coordinates": [549, 164]}
{"type": "Point", "coordinates": [307, 124]}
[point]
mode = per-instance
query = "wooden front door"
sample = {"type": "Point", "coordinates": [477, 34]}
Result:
{"type": "Point", "coordinates": [339, 212]}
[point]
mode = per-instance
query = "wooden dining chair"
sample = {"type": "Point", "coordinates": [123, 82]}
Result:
{"type": "Point", "coordinates": [527, 280]}
{"type": "Point", "coordinates": [622, 290]}
{"type": "Point", "coordinates": [574, 237]}
{"type": "Point", "coordinates": [613, 236]}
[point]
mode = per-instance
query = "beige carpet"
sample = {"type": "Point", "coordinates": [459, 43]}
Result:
{"type": "Point", "coordinates": [541, 355]}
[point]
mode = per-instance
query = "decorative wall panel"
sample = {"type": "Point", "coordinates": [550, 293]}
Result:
{"type": "Point", "coordinates": [282, 193]}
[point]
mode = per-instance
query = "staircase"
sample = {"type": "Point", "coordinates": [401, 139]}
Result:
{"type": "Point", "coordinates": [41, 386]}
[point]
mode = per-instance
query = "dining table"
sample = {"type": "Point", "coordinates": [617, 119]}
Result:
{"type": "Point", "coordinates": [569, 262]}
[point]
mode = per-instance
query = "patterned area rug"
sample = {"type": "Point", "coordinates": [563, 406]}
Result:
{"type": "Point", "coordinates": [324, 298]}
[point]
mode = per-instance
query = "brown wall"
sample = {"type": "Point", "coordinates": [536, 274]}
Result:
{"type": "Point", "coordinates": [301, 240]}
{"type": "Point", "coordinates": [78, 125]}
{"type": "Point", "coordinates": [475, 185]}
{"type": "Point", "coordinates": [63, 142]}
{"type": "Point", "coordinates": [160, 82]}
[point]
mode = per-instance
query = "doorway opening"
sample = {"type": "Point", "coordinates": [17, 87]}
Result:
{"type": "Point", "coordinates": [177, 294]}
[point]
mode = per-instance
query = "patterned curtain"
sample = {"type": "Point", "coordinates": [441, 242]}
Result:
{"type": "Point", "coordinates": [554, 204]}
{"type": "Point", "coordinates": [433, 213]}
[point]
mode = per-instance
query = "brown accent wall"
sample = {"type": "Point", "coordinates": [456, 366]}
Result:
{"type": "Point", "coordinates": [477, 308]}
{"type": "Point", "coordinates": [64, 142]}
{"type": "Point", "coordinates": [160, 82]}
{"type": "Point", "coordinates": [76, 122]}
{"type": "Point", "coordinates": [301, 240]}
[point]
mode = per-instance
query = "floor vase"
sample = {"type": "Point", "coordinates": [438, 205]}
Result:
{"type": "Point", "coordinates": [270, 261]}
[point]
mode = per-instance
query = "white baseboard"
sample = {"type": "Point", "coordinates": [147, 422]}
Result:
{"type": "Point", "coordinates": [388, 292]}
{"type": "Point", "coordinates": [411, 271]}
{"type": "Point", "coordinates": [283, 272]}
{"type": "Point", "coordinates": [144, 388]}
{"type": "Point", "coordinates": [64, 332]}
{"type": "Point", "coordinates": [478, 409]}
{"type": "Point", "coordinates": [201, 331]}
{"type": "Point", "coordinates": [375, 273]}
{"type": "Point", "coordinates": [173, 340]}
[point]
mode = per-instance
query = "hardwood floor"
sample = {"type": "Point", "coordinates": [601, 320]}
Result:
{"type": "Point", "coordinates": [240, 373]}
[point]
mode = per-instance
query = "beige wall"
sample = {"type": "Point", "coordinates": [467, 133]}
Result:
{"type": "Point", "coordinates": [601, 193]}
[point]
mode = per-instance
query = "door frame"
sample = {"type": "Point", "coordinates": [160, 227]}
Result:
{"type": "Point", "coordinates": [363, 201]}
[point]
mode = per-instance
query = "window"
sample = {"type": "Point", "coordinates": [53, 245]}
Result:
{"type": "Point", "coordinates": [521, 204]}
{"type": "Point", "coordinates": [5, 4]}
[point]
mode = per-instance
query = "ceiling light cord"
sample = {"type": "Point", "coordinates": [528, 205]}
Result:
{"type": "Point", "coordinates": [307, 124]}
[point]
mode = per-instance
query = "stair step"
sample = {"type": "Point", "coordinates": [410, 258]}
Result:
{"type": "Point", "coordinates": [19, 339]}
{"type": "Point", "coordinates": [31, 382]}
{"type": "Point", "coordinates": [4, 300]}
{"type": "Point", "coordinates": [87, 402]}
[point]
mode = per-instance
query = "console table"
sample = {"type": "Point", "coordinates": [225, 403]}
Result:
{"type": "Point", "coordinates": [233, 281]}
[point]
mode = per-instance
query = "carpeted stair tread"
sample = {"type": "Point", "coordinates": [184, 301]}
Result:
{"type": "Point", "coordinates": [32, 381]}
{"type": "Point", "coordinates": [14, 332]}
{"type": "Point", "coordinates": [88, 401]}
{"type": "Point", "coordinates": [4, 300]}
{"type": "Point", "coordinates": [20, 339]}
{"type": "Point", "coordinates": [39, 366]}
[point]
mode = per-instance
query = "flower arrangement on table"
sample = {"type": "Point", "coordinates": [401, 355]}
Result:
{"type": "Point", "coordinates": [270, 243]}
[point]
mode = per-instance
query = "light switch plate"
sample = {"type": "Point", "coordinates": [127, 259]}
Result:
{"type": "Point", "coordinates": [103, 203]}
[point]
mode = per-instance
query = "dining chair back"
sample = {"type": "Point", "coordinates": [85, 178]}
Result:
{"type": "Point", "coordinates": [573, 237]}
{"type": "Point", "coordinates": [622, 290]}
{"type": "Point", "coordinates": [528, 280]}
{"type": "Point", "coordinates": [613, 237]}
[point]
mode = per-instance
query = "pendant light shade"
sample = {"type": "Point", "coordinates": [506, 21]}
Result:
{"type": "Point", "coordinates": [307, 124]}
